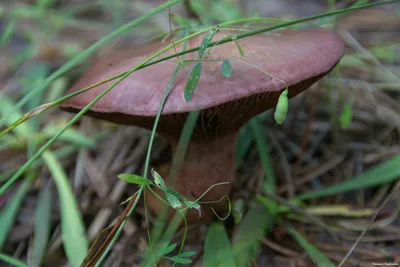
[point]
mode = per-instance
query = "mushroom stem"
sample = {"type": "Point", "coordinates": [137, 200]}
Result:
{"type": "Point", "coordinates": [206, 163]}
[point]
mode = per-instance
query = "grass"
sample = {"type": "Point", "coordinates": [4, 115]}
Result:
{"type": "Point", "coordinates": [243, 245]}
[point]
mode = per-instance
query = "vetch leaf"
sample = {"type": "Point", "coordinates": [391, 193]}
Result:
{"type": "Point", "coordinates": [158, 180]}
{"type": "Point", "coordinates": [226, 68]}
{"type": "Point", "coordinates": [166, 248]}
{"type": "Point", "coordinates": [173, 200]}
{"type": "Point", "coordinates": [174, 193]}
{"type": "Point", "coordinates": [133, 179]}
{"type": "Point", "coordinates": [217, 248]}
{"type": "Point", "coordinates": [179, 260]}
{"type": "Point", "coordinates": [206, 41]}
{"type": "Point", "coordinates": [192, 82]}
{"type": "Point", "coordinates": [187, 254]}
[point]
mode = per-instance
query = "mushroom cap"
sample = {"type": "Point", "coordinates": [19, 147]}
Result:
{"type": "Point", "coordinates": [297, 57]}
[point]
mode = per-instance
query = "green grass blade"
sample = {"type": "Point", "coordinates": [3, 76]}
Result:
{"type": "Point", "coordinates": [10, 260]}
{"type": "Point", "coordinates": [9, 212]}
{"type": "Point", "coordinates": [71, 135]}
{"type": "Point", "coordinates": [263, 149]}
{"type": "Point", "coordinates": [184, 140]}
{"type": "Point", "coordinates": [246, 239]}
{"type": "Point", "coordinates": [72, 227]}
{"type": "Point", "coordinates": [217, 248]}
{"type": "Point", "coordinates": [243, 143]}
{"type": "Point", "coordinates": [42, 225]}
{"type": "Point", "coordinates": [386, 172]}
{"type": "Point", "coordinates": [317, 256]}
{"type": "Point", "coordinates": [7, 33]}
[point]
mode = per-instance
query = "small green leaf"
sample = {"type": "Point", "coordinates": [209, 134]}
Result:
{"type": "Point", "coordinates": [174, 193]}
{"type": "Point", "coordinates": [187, 254]}
{"type": "Point", "coordinates": [166, 248]}
{"type": "Point", "coordinates": [226, 68]}
{"type": "Point", "coordinates": [179, 260]}
{"type": "Point", "coordinates": [346, 116]}
{"type": "Point", "coordinates": [173, 200]}
{"type": "Point", "coordinates": [281, 107]}
{"type": "Point", "coordinates": [158, 180]}
{"type": "Point", "coordinates": [206, 41]}
{"type": "Point", "coordinates": [133, 179]}
{"type": "Point", "coordinates": [192, 82]}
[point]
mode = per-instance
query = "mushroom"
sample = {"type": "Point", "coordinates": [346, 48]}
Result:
{"type": "Point", "coordinates": [296, 57]}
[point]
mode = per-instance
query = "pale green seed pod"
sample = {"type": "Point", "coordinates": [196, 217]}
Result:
{"type": "Point", "coordinates": [282, 107]}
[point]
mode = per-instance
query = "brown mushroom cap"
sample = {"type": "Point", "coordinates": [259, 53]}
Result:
{"type": "Point", "coordinates": [299, 58]}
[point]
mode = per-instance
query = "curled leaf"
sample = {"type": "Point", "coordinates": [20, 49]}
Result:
{"type": "Point", "coordinates": [192, 205]}
{"type": "Point", "coordinates": [158, 180]}
{"type": "Point", "coordinates": [282, 107]}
